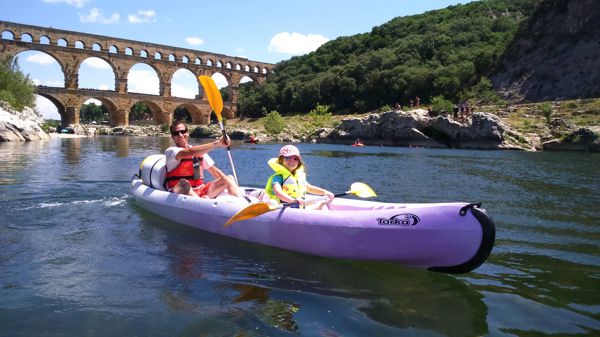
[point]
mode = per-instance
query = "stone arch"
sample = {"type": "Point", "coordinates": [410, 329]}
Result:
{"type": "Point", "coordinates": [155, 109]}
{"type": "Point", "coordinates": [181, 80]}
{"type": "Point", "coordinates": [45, 40]}
{"type": "Point", "coordinates": [8, 35]}
{"type": "Point", "coordinates": [79, 44]}
{"type": "Point", "coordinates": [61, 42]}
{"type": "Point", "coordinates": [26, 37]}
{"type": "Point", "coordinates": [107, 62]}
{"type": "Point", "coordinates": [49, 53]}
{"type": "Point", "coordinates": [134, 75]}
{"type": "Point", "coordinates": [60, 107]}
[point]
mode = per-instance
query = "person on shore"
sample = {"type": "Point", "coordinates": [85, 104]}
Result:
{"type": "Point", "coordinates": [288, 183]}
{"type": "Point", "coordinates": [186, 164]}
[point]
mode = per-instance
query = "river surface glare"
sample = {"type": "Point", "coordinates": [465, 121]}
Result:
{"type": "Point", "coordinates": [78, 257]}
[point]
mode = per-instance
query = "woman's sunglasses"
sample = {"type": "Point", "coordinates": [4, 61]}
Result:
{"type": "Point", "coordinates": [178, 132]}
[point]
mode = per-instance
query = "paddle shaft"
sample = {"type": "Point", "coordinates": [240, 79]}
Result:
{"type": "Point", "coordinates": [229, 154]}
{"type": "Point", "coordinates": [287, 204]}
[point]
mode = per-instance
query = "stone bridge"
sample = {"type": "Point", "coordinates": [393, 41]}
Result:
{"type": "Point", "coordinates": [71, 48]}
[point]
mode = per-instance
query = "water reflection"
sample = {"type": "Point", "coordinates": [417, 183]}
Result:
{"type": "Point", "coordinates": [262, 281]}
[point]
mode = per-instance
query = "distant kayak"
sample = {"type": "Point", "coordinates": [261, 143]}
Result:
{"type": "Point", "coordinates": [447, 237]}
{"type": "Point", "coordinates": [251, 140]}
{"type": "Point", "coordinates": [358, 144]}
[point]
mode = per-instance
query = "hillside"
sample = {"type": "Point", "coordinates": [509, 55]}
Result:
{"type": "Point", "coordinates": [443, 52]}
{"type": "Point", "coordinates": [532, 50]}
{"type": "Point", "coordinates": [555, 56]}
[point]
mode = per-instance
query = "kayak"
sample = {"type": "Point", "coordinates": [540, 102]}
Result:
{"type": "Point", "coordinates": [452, 237]}
{"type": "Point", "coordinates": [251, 140]}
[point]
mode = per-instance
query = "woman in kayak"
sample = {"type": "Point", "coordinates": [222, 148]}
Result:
{"type": "Point", "coordinates": [288, 183]}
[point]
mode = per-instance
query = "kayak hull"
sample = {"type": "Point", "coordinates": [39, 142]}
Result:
{"type": "Point", "coordinates": [445, 237]}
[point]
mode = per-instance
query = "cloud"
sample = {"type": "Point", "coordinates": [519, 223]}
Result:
{"type": "Point", "coordinates": [96, 63]}
{"type": "Point", "coordinates": [96, 16]}
{"type": "Point", "coordinates": [142, 81]}
{"type": "Point", "coordinates": [296, 43]}
{"type": "Point", "coordinates": [183, 91]}
{"type": "Point", "coordinates": [40, 58]}
{"type": "Point", "coordinates": [194, 41]}
{"type": "Point", "coordinates": [104, 87]}
{"type": "Point", "coordinates": [76, 3]}
{"type": "Point", "coordinates": [142, 16]}
{"type": "Point", "coordinates": [46, 108]}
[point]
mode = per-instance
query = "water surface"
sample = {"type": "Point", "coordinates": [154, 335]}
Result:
{"type": "Point", "coordinates": [79, 257]}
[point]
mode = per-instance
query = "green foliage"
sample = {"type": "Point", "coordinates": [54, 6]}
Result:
{"type": "Point", "coordinates": [164, 127]}
{"type": "Point", "coordinates": [438, 53]}
{"type": "Point", "coordinates": [50, 125]}
{"type": "Point", "coordinates": [386, 108]}
{"type": "Point", "coordinates": [440, 105]}
{"type": "Point", "coordinates": [483, 93]}
{"type": "Point", "coordinates": [320, 115]}
{"type": "Point", "coordinates": [140, 111]}
{"type": "Point", "coordinates": [547, 111]}
{"type": "Point", "coordinates": [15, 87]}
{"type": "Point", "coordinates": [273, 122]}
{"type": "Point", "coordinates": [91, 112]}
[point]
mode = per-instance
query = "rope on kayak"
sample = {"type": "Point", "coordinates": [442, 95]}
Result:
{"type": "Point", "coordinates": [463, 210]}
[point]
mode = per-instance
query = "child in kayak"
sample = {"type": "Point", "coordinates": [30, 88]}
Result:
{"type": "Point", "coordinates": [288, 183]}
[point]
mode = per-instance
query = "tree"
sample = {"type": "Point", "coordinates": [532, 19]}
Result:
{"type": "Point", "coordinates": [15, 87]}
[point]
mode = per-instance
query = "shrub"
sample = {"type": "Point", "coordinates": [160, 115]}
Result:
{"type": "Point", "coordinates": [320, 115]}
{"type": "Point", "coordinates": [440, 105]}
{"type": "Point", "coordinates": [273, 122]}
{"type": "Point", "coordinates": [164, 127]}
{"type": "Point", "coordinates": [15, 88]}
{"type": "Point", "coordinates": [386, 108]}
{"type": "Point", "coordinates": [547, 111]}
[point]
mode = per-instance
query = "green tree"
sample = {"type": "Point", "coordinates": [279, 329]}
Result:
{"type": "Point", "coordinates": [440, 105]}
{"type": "Point", "coordinates": [15, 87]}
{"type": "Point", "coordinates": [273, 122]}
{"type": "Point", "coordinates": [139, 111]}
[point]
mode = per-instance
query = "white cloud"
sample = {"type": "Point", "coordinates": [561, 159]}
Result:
{"type": "Point", "coordinates": [194, 41]}
{"type": "Point", "coordinates": [76, 3]}
{"type": "Point", "coordinates": [96, 16]}
{"type": "Point", "coordinates": [46, 108]}
{"type": "Point", "coordinates": [142, 16]}
{"type": "Point", "coordinates": [182, 91]}
{"type": "Point", "coordinates": [296, 43]}
{"type": "Point", "coordinates": [40, 58]}
{"type": "Point", "coordinates": [103, 87]}
{"type": "Point", "coordinates": [142, 81]}
{"type": "Point", "coordinates": [96, 63]}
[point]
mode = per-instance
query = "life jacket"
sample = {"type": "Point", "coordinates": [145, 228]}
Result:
{"type": "Point", "coordinates": [294, 185]}
{"type": "Point", "coordinates": [185, 170]}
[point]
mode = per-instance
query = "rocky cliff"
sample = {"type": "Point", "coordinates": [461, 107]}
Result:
{"type": "Point", "coordinates": [555, 56]}
{"type": "Point", "coordinates": [415, 128]}
{"type": "Point", "coordinates": [20, 125]}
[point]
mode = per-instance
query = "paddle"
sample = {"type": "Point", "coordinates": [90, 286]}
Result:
{"type": "Point", "coordinates": [216, 104]}
{"type": "Point", "coordinates": [361, 190]}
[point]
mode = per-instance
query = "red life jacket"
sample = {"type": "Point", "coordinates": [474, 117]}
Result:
{"type": "Point", "coordinates": [185, 170]}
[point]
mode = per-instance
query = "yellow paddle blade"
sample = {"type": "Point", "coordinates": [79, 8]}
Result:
{"type": "Point", "coordinates": [250, 212]}
{"type": "Point", "coordinates": [213, 95]}
{"type": "Point", "coordinates": [361, 190]}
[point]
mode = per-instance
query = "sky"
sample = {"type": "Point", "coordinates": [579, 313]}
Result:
{"type": "Point", "coordinates": [266, 31]}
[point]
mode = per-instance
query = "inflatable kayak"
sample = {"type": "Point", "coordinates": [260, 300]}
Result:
{"type": "Point", "coordinates": [446, 237]}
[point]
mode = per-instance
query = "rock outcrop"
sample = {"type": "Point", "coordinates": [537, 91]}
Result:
{"type": "Point", "coordinates": [20, 125]}
{"type": "Point", "coordinates": [579, 140]}
{"type": "Point", "coordinates": [555, 56]}
{"type": "Point", "coordinates": [415, 128]}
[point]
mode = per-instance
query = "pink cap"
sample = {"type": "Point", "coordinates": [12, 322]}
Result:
{"type": "Point", "coordinates": [289, 150]}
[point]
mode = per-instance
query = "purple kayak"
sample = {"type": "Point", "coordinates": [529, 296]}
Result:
{"type": "Point", "coordinates": [446, 237]}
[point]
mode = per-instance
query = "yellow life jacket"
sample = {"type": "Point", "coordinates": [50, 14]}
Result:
{"type": "Point", "coordinates": [294, 185]}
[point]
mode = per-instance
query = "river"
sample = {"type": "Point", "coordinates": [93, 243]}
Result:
{"type": "Point", "coordinates": [78, 257]}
